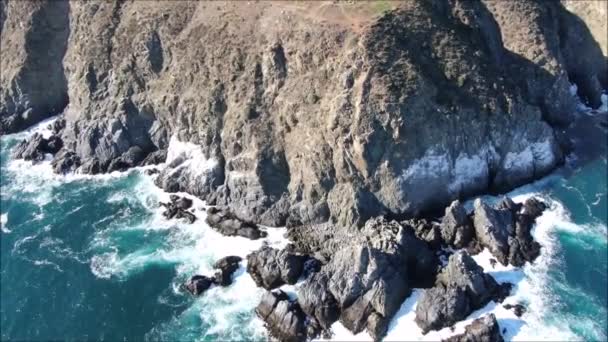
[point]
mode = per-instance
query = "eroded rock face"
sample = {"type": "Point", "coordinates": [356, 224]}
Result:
{"type": "Point", "coordinates": [33, 86]}
{"type": "Point", "coordinates": [303, 122]}
{"type": "Point", "coordinates": [224, 221]}
{"type": "Point", "coordinates": [461, 288]}
{"type": "Point", "coordinates": [484, 329]}
{"type": "Point", "coordinates": [226, 267]}
{"type": "Point", "coordinates": [37, 147]}
{"type": "Point", "coordinates": [271, 268]}
{"type": "Point", "coordinates": [505, 230]}
{"type": "Point", "coordinates": [284, 318]}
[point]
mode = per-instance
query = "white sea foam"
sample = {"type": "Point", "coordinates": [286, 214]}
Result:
{"type": "Point", "coordinates": [3, 221]}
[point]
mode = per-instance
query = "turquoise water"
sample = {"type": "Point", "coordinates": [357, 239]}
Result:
{"type": "Point", "coordinates": [92, 258]}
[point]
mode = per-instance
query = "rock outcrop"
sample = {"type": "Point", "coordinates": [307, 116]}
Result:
{"type": "Point", "coordinates": [225, 222]}
{"type": "Point", "coordinates": [506, 229]}
{"type": "Point", "coordinates": [461, 288]}
{"type": "Point", "coordinates": [226, 267]}
{"type": "Point", "coordinates": [33, 39]}
{"type": "Point", "coordinates": [310, 118]}
{"type": "Point", "coordinates": [484, 329]}
{"type": "Point", "coordinates": [284, 318]}
{"type": "Point", "coordinates": [178, 207]}
{"type": "Point", "coordinates": [271, 268]}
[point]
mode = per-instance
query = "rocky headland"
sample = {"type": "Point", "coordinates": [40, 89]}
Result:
{"type": "Point", "coordinates": [352, 124]}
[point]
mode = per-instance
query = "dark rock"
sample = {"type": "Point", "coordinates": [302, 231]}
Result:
{"type": "Point", "coordinates": [131, 158]}
{"type": "Point", "coordinates": [156, 157]}
{"type": "Point", "coordinates": [177, 208]}
{"type": "Point", "coordinates": [440, 307]}
{"type": "Point", "coordinates": [506, 229]}
{"type": "Point", "coordinates": [493, 262]}
{"type": "Point", "coordinates": [90, 167]}
{"type": "Point", "coordinates": [227, 266]}
{"type": "Point", "coordinates": [65, 162]}
{"type": "Point", "coordinates": [518, 309]}
{"type": "Point", "coordinates": [426, 230]}
{"type": "Point", "coordinates": [198, 284]}
{"type": "Point", "coordinates": [456, 227]}
{"type": "Point", "coordinates": [316, 300]}
{"type": "Point", "coordinates": [222, 220]}
{"type": "Point", "coordinates": [57, 126]}
{"type": "Point", "coordinates": [484, 329]}
{"type": "Point", "coordinates": [271, 268]}
{"type": "Point", "coordinates": [150, 172]}
{"type": "Point", "coordinates": [36, 147]}
{"type": "Point", "coordinates": [462, 271]}
{"type": "Point", "coordinates": [492, 228]}
{"type": "Point", "coordinates": [311, 266]}
{"type": "Point", "coordinates": [462, 287]}
{"type": "Point", "coordinates": [284, 319]}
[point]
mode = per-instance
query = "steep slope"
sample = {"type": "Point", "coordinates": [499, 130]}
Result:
{"type": "Point", "coordinates": [306, 112]}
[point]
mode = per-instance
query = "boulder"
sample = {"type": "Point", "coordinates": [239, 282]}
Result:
{"type": "Point", "coordinates": [198, 284]}
{"type": "Point", "coordinates": [462, 287]}
{"type": "Point", "coordinates": [316, 300]}
{"type": "Point", "coordinates": [456, 227]}
{"type": "Point", "coordinates": [65, 162]}
{"type": "Point", "coordinates": [36, 147]}
{"type": "Point", "coordinates": [225, 222]}
{"type": "Point", "coordinates": [226, 267]}
{"type": "Point", "coordinates": [492, 229]}
{"type": "Point", "coordinates": [177, 208]}
{"type": "Point", "coordinates": [271, 268]}
{"type": "Point", "coordinates": [518, 309]}
{"type": "Point", "coordinates": [284, 319]}
{"type": "Point", "coordinates": [441, 307]}
{"type": "Point", "coordinates": [484, 329]}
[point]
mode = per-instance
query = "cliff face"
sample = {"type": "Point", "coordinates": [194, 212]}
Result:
{"type": "Point", "coordinates": [34, 38]}
{"type": "Point", "coordinates": [309, 111]}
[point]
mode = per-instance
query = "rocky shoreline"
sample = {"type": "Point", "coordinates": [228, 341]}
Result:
{"type": "Point", "coordinates": [352, 136]}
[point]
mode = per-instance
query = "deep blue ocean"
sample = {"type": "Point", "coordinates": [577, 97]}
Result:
{"type": "Point", "coordinates": [92, 258]}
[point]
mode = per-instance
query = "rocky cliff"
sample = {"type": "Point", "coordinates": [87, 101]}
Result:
{"type": "Point", "coordinates": [304, 112]}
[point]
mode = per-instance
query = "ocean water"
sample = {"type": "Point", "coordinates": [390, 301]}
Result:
{"type": "Point", "coordinates": [87, 257]}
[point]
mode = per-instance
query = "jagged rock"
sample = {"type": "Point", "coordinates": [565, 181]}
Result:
{"type": "Point", "coordinates": [131, 158]}
{"type": "Point", "coordinates": [493, 228]}
{"type": "Point", "coordinates": [284, 318]}
{"type": "Point", "coordinates": [316, 300]}
{"type": "Point", "coordinates": [462, 287]}
{"type": "Point", "coordinates": [484, 329]}
{"type": "Point", "coordinates": [462, 271]}
{"type": "Point", "coordinates": [518, 309]}
{"type": "Point", "coordinates": [150, 172]}
{"type": "Point", "coordinates": [36, 147]}
{"type": "Point", "coordinates": [65, 162]}
{"type": "Point", "coordinates": [198, 284]}
{"type": "Point", "coordinates": [227, 266]}
{"type": "Point", "coordinates": [57, 126]}
{"type": "Point", "coordinates": [156, 157]}
{"type": "Point", "coordinates": [456, 227]}
{"type": "Point", "coordinates": [177, 208]}
{"type": "Point", "coordinates": [505, 230]}
{"type": "Point", "coordinates": [90, 167]}
{"type": "Point", "coordinates": [222, 220]}
{"type": "Point", "coordinates": [426, 231]}
{"type": "Point", "coordinates": [271, 268]}
{"type": "Point", "coordinates": [439, 307]}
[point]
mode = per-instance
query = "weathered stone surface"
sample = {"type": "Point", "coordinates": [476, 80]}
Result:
{"type": "Point", "coordinates": [178, 208]}
{"type": "Point", "coordinates": [33, 86]}
{"type": "Point", "coordinates": [37, 147]}
{"type": "Point", "coordinates": [306, 122]}
{"type": "Point", "coordinates": [198, 284]}
{"type": "Point", "coordinates": [456, 227]}
{"type": "Point", "coordinates": [461, 288]}
{"type": "Point", "coordinates": [271, 268]}
{"type": "Point", "coordinates": [224, 221]}
{"type": "Point", "coordinates": [484, 329]}
{"type": "Point", "coordinates": [284, 318]}
{"type": "Point", "coordinates": [226, 267]}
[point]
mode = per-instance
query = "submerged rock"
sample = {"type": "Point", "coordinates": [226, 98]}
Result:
{"type": "Point", "coordinates": [518, 309]}
{"type": "Point", "coordinates": [484, 329]}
